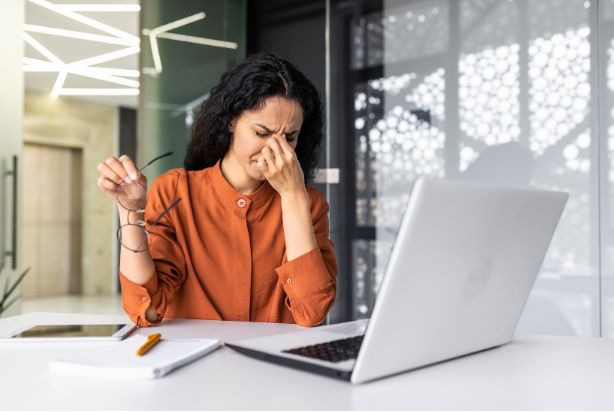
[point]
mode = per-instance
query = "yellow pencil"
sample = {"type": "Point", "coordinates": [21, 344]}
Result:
{"type": "Point", "coordinates": [151, 341]}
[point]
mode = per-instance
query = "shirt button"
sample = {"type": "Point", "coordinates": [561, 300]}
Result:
{"type": "Point", "coordinates": [241, 202]}
{"type": "Point", "coordinates": [289, 280]}
{"type": "Point", "coordinates": [145, 298]}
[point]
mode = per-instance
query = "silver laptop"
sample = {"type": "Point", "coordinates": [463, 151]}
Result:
{"type": "Point", "coordinates": [463, 263]}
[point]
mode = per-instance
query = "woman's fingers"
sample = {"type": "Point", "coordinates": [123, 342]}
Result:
{"type": "Point", "coordinates": [115, 180]}
{"type": "Point", "coordinates": [129, 167]}
{"type": "Point", "coordinates": [107, 171]}
{"type": "Point", "coordinates": [118, 168]}
{"type": "Point", "coordinates": [277, 151]}
{"type": "Point", "coordinates": [261, 163]}
{"type": "Point", "coordinates": [133, 172]}
{"type": "Point", "coordinates": [107, 184]}
{"type": "Point", "coordinates": [267, 154]}
{"type": "Point", "coordinates": [288, 151]}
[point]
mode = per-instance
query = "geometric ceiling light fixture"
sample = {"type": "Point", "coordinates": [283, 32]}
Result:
{"type": "Point", "coordinates": [163, 33]}
{"type": "Point", "coordinates": [85, 67]}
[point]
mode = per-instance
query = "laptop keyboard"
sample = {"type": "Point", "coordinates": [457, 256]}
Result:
{"type": "Point", "coordinates": [333, 351]}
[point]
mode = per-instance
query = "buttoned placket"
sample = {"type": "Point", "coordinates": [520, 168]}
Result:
{"type": "Point", "coordinates": [242, 206]}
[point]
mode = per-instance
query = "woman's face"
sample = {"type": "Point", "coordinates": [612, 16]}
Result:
{"type": "Point", "coordinates": [253, 129]}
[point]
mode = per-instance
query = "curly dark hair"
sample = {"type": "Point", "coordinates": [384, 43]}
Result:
{"type": "Point", "coordinates": [245, 87]}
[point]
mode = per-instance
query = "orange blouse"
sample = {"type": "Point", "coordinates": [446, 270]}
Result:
{"type": "Point", "coordinates": [220, 255]}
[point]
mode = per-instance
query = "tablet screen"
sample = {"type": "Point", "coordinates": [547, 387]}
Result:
{"type": "Point", "coordinates": [52, 331]}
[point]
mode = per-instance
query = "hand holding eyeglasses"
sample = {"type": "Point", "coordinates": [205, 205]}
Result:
{"type": "Point", "coordinates": [122, 181]}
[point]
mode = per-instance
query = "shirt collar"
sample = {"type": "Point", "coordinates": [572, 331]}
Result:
{"type": "Point", "coordinates": [231, 197]}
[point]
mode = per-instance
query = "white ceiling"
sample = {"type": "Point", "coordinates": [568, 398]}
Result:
{"type": "Point", "coordinates": [70, 49]}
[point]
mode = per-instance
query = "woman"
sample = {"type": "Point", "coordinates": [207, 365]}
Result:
{"type": "Point", "coordinates": [249, 239]}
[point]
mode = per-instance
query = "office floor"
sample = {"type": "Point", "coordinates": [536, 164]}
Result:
{"type": "Point", "coordinates": [108, 304]}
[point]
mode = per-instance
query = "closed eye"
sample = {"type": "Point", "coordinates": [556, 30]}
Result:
{"type": "Point", "coordinates": [290, 138]}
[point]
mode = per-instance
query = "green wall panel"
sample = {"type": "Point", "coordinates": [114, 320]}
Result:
{"type": "Point", "coordinates": [189, 71]}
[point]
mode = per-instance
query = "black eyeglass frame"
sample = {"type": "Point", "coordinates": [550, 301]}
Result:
{"type": "Point", "coordinates": [141, 223]}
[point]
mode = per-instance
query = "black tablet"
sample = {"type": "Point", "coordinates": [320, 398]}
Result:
{"type": "Point", "coordinates": [72, 332]}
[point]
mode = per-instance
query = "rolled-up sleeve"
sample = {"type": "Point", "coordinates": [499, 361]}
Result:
{"type": "Point", "coordinates": [309, 280]}
{"type": "Point", "coordinates": [169, 261]}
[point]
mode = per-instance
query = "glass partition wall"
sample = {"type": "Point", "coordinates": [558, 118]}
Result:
{"type": "Point", "coordinates": [187, 45]}
{"type": "Point", "coordinates": [511, 92]}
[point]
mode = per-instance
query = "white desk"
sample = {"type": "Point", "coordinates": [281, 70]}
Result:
{"type": "Point", "coordinates": [530, 373]}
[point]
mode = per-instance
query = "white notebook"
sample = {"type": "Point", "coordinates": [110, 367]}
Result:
{"type": "Point", "coordinates": [119, 360]}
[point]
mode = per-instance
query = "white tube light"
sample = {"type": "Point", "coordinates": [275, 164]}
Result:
{"type": "Point", "coordinates": [111, 71]}
{"type": "Point", "coordinates": [31, 60]}
{"type": "Point", "coordinates": [80, 35]}
{"type": "Point", "coordinates": [107, 57]}
{"type": "Point", "coordinates": [99, 92]}
{"type": "Point", "coordinates": [36, 65]}
{"type": "Point", "coordinates": [59, 82]}
{"type": "Point", "coordinates": [100, 7]}
{"type": "Point", "coordinates": [178, 23]}
{"type": "Point", "coordinates": [99, 72]}
{"type": "Point", "coordinates": [93, 74]}
{"type": "Point", "coordinates": [39, 69]}
{"type": "Point", "coordinates": [153, 42]}
{"type": "Point", "coordinates": [85, 20]}
{"type": "Point", "coordinates": [155, 53]}
{"type": "Point", "coordinates": [41, 49]}
{"type": "Point", "coordinates": [198, 40]}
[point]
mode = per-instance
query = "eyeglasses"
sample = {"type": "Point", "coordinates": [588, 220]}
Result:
{"type": "Point", "coordinates": [134, 230]}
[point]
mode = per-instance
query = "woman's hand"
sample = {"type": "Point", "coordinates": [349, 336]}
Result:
{"type": "Point", "coordinates": [121, 181]}
{"type": "Point", "coordinates": [281, 168]}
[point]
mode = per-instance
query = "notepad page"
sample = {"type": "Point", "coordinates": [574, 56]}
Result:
{"type": "Point", "coordinates": [119, 360]}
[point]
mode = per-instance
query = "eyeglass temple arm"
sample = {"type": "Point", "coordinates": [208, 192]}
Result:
{"type": "Point", "coordinates": [165, 211]}
{"type": "Point", "coordinates": [156, 158]}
